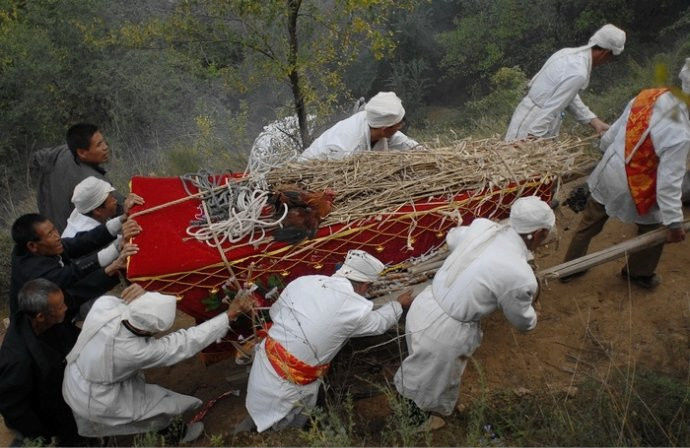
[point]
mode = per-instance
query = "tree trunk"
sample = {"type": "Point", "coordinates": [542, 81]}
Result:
{"type": "Point", "coordinates": [293, 74]}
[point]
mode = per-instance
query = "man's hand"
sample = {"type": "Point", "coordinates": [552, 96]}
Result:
{"type": "Point", "coordinates": [405, 299]}
{"type": "Point", "coordinates": [131, 200]}
{"type": "Point", "coordinates": [132, 292]}
{"type": "Point", "coordinates": [675, 235]}
{"type": "Point", "coordinates": [242, 303]}
{"type": "Point", "coordinates": [599, 126]}
{"type": "Point", "coordinates": [121, 261]}
{"type": "Point", "coordinates": [130, 229]}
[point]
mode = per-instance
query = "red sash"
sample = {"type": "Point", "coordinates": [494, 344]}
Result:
{"type": "Point", "coordinates": [641, 170]}
{"type": "Point", "coordinates": [289, 367]}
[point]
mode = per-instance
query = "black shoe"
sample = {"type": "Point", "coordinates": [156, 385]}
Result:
{"type": "Point", "coordinates": [643, 281]}
{"type": "Point", "coordinates": [571, 277]}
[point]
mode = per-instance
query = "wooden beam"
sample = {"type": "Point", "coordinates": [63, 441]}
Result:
{"type": "Point", "coordinates": [630, 246]}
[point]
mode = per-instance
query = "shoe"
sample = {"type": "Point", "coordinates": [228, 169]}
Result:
{"type": "Point", "coordinates": [554, 204]}
{"type": "Point", "coordinates": [246, 425]}
{"type": "Point", "coordinates": [193, 432]}
{"type": "Point", "coordinates": [571, 277]}
{"type": "Point", "coordinates": [433, 423]}
{"type": "Point", "coordinates": [643, 281]}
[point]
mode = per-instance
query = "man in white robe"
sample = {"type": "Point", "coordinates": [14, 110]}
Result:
{"type": "Point", "coordinates": [556, 87]}
{"type": "Point", "coordinates": [487, 269]}
{"type": "Point", "coordinates": [313, 318]}
{"type": "Point", "coordinates": [669, 130]}
{"type": "Point", "coordinates": [94, 204]}
{"type": "Point", "coordinates": [376, 128]}
{"type": "Point", "coordinates": [104, 384]}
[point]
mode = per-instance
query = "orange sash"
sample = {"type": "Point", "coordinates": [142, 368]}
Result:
{"type": "Point", "coordinates": [641, 170]}
{"type": "Point", "coordinates": [289, 367]}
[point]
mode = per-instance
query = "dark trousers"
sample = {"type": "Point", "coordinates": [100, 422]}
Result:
{"type": "Point", "coordinates": [642, 263]}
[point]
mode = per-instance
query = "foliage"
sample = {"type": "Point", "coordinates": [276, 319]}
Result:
{"type": "Point", "coordinates": [488, 35]}
{"type": "Point", "coordinates": [643, 409]}
{"type": "Point", "coordinates": [332, 426]}
{"type": "Point", "coordinates": [304, 45]}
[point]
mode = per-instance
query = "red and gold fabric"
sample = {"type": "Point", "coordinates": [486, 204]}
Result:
{"type": "Point", "coordinates": [171, 262]}
{"type": "Point", "coordinates": [642, 168]}
{"type": "Point", "coordinates": [289, 367]}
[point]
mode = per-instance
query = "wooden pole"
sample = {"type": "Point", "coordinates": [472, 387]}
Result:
{"type": "Point", "coordinates": [632, 245]}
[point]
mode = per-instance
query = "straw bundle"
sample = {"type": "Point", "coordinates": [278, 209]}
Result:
{"type": "Point", "coordinates": [375, 182]}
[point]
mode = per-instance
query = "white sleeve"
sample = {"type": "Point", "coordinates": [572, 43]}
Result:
{"type": "Point", "coordinates": [183, 344]}
{"type": "Point", "coordinates": [669, 182]}
{"type": "Point", "coordinates": [517, 307]}
{"type": "Point", "coordinates": [615, 128]}
{"type": "Point", "coordinates": [400, 141]}
{"type": "Point", "coordinates": [561, 98]}
{"type": "Point", "coordinates": [580, 110]}
{"type": "Point", "coordinates": [670, 134]}
{"type": "Point", "coordinates": [378, 321]}
{"type": "Point", "coordinates": [109, 253]}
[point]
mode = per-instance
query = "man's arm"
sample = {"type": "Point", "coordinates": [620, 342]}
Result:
{"type": "Point", "coordinates": [517, 307]}
{"type": "Point", "coordinates": [400, 141]}
{"type": "Point", "coordinates": [180, 345]}
{"type": "Point", "coordinates": [671, 138]}
{"type": "Point", "coordinates": [85, 243]}
{"type": "Point", "coordinates": [378, 321]}
{"type": "Point", "coordinates": [580, 111]}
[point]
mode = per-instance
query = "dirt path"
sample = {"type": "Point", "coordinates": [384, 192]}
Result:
{"type": "Point", "coordinates": [593, 324]}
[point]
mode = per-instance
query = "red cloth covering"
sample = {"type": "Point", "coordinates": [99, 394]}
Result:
{"type": "Point", "coordinates": [641, 171]}
{"type": "Point", "coordinates": [169, 261]}
{"type": "Point", "coordinates": [289, 367]}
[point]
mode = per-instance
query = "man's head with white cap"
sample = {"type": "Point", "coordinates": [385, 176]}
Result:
{"type": "Point", "coordinates": [684, 76]}
{"type": "Point", "coordinates": [361, 268]}
{"type": "Point", "coordinates": [93, 197]}
{"type": "Point", "coordinates": [606, 42]}
{"type": "Point", "coordinates": [150, 314]}
{"type": "Point", "coordinates": [533, 219]}
{"type": "Point", "coordinates": [385, 114]}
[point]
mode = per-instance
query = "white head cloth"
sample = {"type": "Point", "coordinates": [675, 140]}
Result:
{"type": "Point", "coordinates": [360, 266]}
{"type": "Point", "coordinates": [530, 214]}
{"type": "Point", "coordinates": [609, 37]}
{"type": "Point", "coordinates": [384, 109]}
{"type": "Point", "coordinates": [684, 76]}
{"type": "Point", "coordinates": [90, 193]}
{"type": "Point", "coordinates": [152, 312]}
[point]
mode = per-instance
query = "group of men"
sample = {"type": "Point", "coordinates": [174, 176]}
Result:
{"type": "Point", "coordinates": [58, 381]}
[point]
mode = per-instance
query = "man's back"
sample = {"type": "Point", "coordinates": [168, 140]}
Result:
{"type": "Point", "coordinates": [315, 316]}
{"type": "Point", "coordinates": [670, 134]}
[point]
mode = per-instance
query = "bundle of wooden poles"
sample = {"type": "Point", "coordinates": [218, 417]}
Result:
{"type": "Point", "coordinates": [377, 182]}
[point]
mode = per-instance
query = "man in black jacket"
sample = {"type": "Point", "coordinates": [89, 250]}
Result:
{"type": "Point", "coordinates": [32, 363]}
{"type": "Point", "coordinates": [72, 263]}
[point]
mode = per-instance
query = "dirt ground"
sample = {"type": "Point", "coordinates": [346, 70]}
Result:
{"type": "Point", "coordinates": [586, 328]}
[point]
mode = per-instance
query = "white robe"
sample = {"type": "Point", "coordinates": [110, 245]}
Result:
{"type": "Point", "coordinates": [670, 133]}
{"type": "Point", "coordinates": [351, 136]}
{"type": "Point", "coordinates": [443, 329]}
{"type": "Point", "coordinates": [78, 223]}
{"type": "Point", "coordinates": [553, 89]}
{"type": "Point", "coordinates": [105, 385]}
{"type": "Point", "coordinates": [313, 318]}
